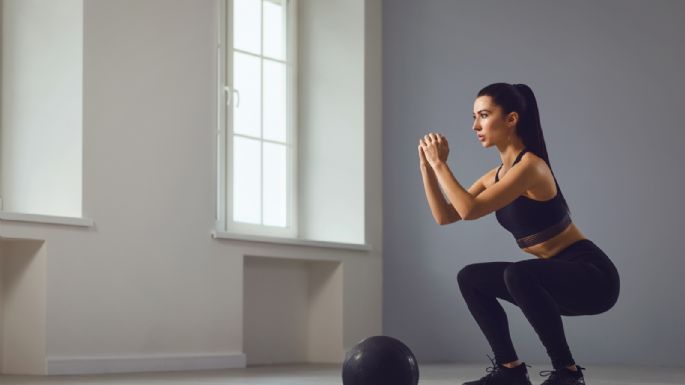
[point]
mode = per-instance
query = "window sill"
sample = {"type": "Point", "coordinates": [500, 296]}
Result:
{"type": "Point", "coordinates": [46, 219]}
{"type": "Point", "coordinates": [290, 241]}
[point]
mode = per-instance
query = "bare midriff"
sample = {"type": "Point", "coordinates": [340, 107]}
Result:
{"type": "Point", "coordinates": [557, 243]}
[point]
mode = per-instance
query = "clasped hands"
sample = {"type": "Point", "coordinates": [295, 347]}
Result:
{"type": "Point", "coordinates": [433, 149]}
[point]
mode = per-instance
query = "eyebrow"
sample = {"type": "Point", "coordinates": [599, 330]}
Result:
{"type": "Point", "coordinates": [482, 111]}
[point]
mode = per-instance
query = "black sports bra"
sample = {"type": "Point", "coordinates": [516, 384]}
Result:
{"type": "Point", "coordinates": [532, 221]}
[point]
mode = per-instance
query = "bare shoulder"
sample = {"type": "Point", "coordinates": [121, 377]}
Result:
{"type": "Point", "coordinates": [488, 179]}
{"type": "Point", "coordinates": [542, 187]}
{"type": "Point", "coordinates": [530, 159]}
{"type": "Point", "coordinates": [530, 156]}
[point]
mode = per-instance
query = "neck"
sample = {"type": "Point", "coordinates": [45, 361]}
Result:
{"type": "Point", "coordinates": [509, 151]}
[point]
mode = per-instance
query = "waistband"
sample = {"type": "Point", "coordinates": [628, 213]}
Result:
{"type": "Point", "coordinates": [545, 234]}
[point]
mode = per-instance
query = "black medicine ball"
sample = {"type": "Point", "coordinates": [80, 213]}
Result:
{"type": "Point", "coordinates": [380, 360]}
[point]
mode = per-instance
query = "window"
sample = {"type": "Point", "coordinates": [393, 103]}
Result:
{"type": "Point", "coordinates": [256, 133]}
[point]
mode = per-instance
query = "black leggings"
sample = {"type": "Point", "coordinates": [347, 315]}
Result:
{"type": "Point", "coordinates": [579, 280]}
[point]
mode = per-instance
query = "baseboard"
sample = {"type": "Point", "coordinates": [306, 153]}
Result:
{"type": "Point", "coordinates": [135, 364]}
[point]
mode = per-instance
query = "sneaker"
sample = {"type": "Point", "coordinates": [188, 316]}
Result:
{"type": "Point", "coordinates": [501, 375]}
{"type": "Point", "coordinates": [564, 376]}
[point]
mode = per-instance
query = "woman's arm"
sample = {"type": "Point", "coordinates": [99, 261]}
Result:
{"type": "Point", "coordinates": [514, 183]}
{"type": "Point", "coordinates": [443, 211]}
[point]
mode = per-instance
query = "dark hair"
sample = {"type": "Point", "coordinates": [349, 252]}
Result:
{"type": "Point", "coordinates": [520, 98]}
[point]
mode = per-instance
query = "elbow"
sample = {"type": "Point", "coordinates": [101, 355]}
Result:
{"type": "Point", "coordinates": [446, 221]}
{"type": "Point", "coordinates": [442, 221]}
{"type": "Point", "coordinates": [469, 215]}
{"type": "Point", "coordinates": [472, 216]}
{"type": "Point", "coordinates": [473, 211]}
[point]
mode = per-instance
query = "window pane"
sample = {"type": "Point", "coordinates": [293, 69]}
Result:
{"type": "Point", "coordinates": [247, 23]}
{"type": "Point", "coordinates": [275, 186]}
{"type": "Point", "coordinates": [274, 100]}
{"type": "Point", "coordinates": [274, 29]}
{"type": "Point", "coordinates": [247, 159]}
{"type": "Point", "coordinates": [246, 103]}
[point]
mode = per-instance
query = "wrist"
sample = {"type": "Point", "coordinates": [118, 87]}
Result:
{"type": "Point", "coordinates": [438, 165]}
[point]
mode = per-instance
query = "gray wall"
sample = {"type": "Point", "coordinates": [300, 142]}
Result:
{"type": "Point", "coordinates": [608, 78]}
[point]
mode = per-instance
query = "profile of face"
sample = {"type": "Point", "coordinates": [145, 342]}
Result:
{"type": "Point", "coordinates": [490, 124]}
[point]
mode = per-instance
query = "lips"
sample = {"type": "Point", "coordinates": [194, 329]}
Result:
{"type": "Point", "coordinates": [480, 137]}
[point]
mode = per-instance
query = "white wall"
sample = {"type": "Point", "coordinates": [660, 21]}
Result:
{"type": "Point", "coordinates": [22, 299]}
{"type": "Point", "coordinates": [41, 106]}
{"type": "Point", "coordinates": [2, 303]}
{"type": "Point", "coordinates": [292, 311]}
{"type": "Point", "coordinates": [331, 130]}
{"type": "Point", "coordinates": [147, 287]}
{"type": "Point", "coordinates": [275, 291]}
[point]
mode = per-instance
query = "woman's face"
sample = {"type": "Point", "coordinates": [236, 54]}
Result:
{"type": "Point", "coordinates": [490, 126]}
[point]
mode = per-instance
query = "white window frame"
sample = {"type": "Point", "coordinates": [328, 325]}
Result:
{"type": "Point", "coordinates": [224, 134]}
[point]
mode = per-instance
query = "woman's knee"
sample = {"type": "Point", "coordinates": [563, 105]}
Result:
{"type": "Point", "coordinates": [464, 275]}
{"type": "Point", "coordinates": [469, 274]}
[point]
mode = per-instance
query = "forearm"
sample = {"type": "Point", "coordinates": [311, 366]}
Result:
{"type": "Point", "coordinates": [461, 199]}
{"type": "Point", "coordinates": [440, 208]}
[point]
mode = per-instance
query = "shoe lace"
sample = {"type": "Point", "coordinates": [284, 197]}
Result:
{"type": "Point", "coordinates": [555, 375]}
{"type": "Point", "coordinates": [494, 370]}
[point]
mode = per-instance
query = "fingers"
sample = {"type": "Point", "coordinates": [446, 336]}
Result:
{"type": "Point", "coordinates": [422, 155]}
{"type": "Point", "coordinates": [434, 137]}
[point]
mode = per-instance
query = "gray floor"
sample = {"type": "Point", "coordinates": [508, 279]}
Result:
{"type": "Point", "coordinates": [430, 374]}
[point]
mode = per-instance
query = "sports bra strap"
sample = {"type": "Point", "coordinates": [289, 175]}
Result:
{"type": "Point", "coordinates": [520, 155]}
{"type": "Point", "coordinates": [518, 158]}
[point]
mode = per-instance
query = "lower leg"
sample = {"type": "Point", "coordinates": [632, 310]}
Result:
{"type": "Point", "coordinates": [481, 285]}
{"type": "Point", "coordinates": [541, 310]}
{"type": "Point", "coordinates": [492, 320]}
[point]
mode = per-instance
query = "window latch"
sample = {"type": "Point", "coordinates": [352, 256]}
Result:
{"type": "Point", "coordinates": [229, 96]}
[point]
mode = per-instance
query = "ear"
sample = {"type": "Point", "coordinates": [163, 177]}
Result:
{"type": "Point", "coordinates": [512, 119]}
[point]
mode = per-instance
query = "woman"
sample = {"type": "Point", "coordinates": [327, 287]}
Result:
{"type": "Point", "coordinates": [570, 274]}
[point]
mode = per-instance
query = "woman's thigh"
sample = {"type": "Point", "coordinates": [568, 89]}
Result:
{"type": "Point", "coordinates": [578, 288]}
